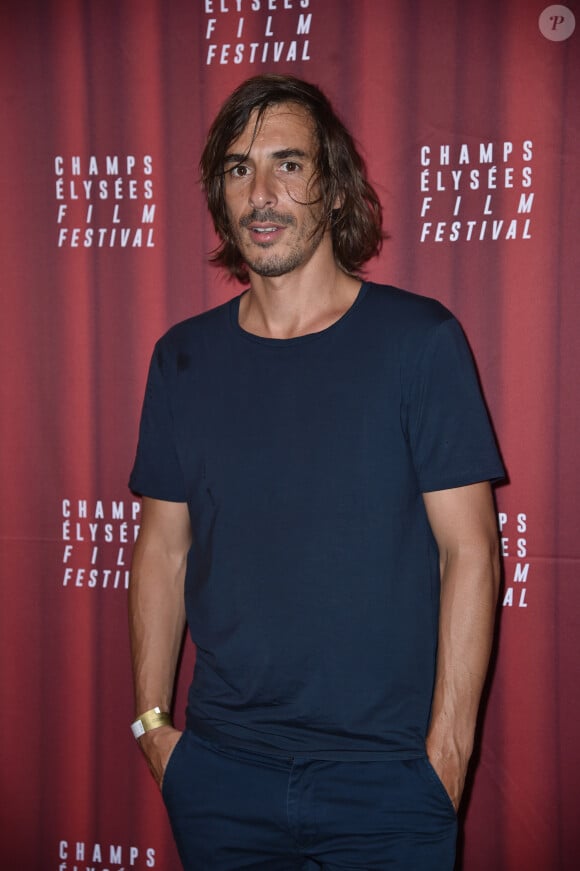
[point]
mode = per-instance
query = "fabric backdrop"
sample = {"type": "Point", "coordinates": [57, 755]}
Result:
{"type": "Point", "coordinates": [467, 114]}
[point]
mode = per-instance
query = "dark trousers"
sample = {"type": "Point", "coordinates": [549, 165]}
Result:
{"type": "Point", "coordinates": [232, 809]}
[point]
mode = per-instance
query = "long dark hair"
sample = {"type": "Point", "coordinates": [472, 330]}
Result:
{"type": "Point", "coordinates": [340, 172]}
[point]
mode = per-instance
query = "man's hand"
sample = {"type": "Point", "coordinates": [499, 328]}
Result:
{"type": "Point", "coordinates": [451, 770]}
{"type": "Point", "coordinates": [157, 746]}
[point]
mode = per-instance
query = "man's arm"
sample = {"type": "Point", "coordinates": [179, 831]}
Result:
{"type": "Point", "coordinates": [157, 617]}
{"type": "Point", "coordinates": [464, 524]}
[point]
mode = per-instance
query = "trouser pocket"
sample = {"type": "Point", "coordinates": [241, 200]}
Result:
{"type": "Point", "coordinates": [440, 786]}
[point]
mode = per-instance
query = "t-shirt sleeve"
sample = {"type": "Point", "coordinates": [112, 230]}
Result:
{"type": "Point", "coordinates": [157, 472]}
{"type": "Point", "coordinates": [450, 434]}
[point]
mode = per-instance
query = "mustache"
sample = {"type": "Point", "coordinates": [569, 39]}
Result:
{"type": "Point", "coordinates": [264, 216]}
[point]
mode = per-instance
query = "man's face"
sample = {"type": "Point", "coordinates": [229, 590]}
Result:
{"type": "Point", "coordinates": [270, 198]}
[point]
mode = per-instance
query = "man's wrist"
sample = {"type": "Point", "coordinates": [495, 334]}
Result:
{"type": "Point", "coordinates": [152, 719]}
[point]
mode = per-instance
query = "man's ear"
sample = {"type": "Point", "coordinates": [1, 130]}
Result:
{"type": "Point", "coordinates": [338, 203]}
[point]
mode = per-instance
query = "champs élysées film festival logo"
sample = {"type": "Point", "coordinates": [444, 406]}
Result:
{"type": "Point", "coordinates": [476, 192]}
{"type": "Point", "coordinates": [83, 856]}
{"type": "Point", "coordinates": [257, 31]}
{"type": "Point", "coordinates": [105, 201]}
{"type": "Point", "coordinates": [97, 541]}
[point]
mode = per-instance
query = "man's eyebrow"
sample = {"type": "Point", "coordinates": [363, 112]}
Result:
{"type": "Point", "coordinates": [282, 154]}
{"type": "Point", "coordinates": [285, 153]}
{"type": "Point", "coordinates": [235, 158]}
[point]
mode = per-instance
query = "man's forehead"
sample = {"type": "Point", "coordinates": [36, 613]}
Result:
{"type": "Point", "coordinates": [281, 117]}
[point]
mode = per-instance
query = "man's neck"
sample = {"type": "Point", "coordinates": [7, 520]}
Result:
{"type": "Point", "coordinates": [298, 303]}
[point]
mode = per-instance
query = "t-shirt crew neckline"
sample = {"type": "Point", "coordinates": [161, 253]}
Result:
{"type": "Point", "coordinates": [234, 306]}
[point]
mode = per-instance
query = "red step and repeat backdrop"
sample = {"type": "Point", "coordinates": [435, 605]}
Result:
{"type": "Point", "coordinates": [467, 112]}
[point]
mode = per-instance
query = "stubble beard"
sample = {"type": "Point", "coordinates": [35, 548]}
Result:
{"type": "Point", "coordinates": [274, 264]}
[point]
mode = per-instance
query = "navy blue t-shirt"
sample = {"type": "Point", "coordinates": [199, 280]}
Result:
{"type": "Point", "coordinates": [312, 584]}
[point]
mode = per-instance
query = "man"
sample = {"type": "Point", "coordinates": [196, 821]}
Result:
{"type": "Point", "coordinates": [314, 459]}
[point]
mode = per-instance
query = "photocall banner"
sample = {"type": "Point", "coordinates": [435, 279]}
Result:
{"type": "Point", "coordinates": [467, 115]}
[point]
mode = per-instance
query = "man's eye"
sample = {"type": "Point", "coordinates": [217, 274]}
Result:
{"type": "Point", "coordinates": [239, 171]}
{"type": "Point", "coordinates": [290, 166]}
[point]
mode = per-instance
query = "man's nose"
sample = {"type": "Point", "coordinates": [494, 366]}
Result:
{"type": "Point", "coordinates": [262, 190]}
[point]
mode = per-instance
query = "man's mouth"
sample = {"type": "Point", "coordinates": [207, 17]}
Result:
{"type": "Point", "coordinates": [267, 226]}
{"type": "Point", "coordinates": [265, 234]}
{"type": "Point", "coordinates": [267, 221]}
